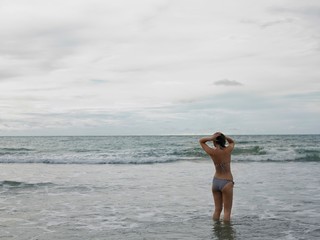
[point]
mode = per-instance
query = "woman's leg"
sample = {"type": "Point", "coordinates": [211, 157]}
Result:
{"type": "Point", "coordinates": [227, 196]}
{"type": "Point", "coordinates": [217, 197]}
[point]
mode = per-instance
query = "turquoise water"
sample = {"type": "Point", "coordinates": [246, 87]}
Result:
{"type": "Point", "coordinates": [123, 198]}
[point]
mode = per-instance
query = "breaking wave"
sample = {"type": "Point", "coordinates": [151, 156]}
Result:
{"type": "Point", "coordinates": [152, 149]}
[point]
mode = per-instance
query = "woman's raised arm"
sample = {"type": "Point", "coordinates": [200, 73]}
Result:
{"type": "Point", "coordinates": [230, 142]}
{"type": "Point", "coordinates": [204, 145]}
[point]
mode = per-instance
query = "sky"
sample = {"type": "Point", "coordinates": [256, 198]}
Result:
{"type": "Point", "coordinates": [150, 67]}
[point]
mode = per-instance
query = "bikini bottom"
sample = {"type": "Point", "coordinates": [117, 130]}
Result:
{"type": "Point", "coordinates": [218, 184]}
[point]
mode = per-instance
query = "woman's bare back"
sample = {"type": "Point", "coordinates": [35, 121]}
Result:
{"type": "Point", "coordinates": [221, 158]}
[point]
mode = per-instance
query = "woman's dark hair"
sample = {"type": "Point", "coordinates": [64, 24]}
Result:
{"type": "Point", "coordinates": [221, 140]}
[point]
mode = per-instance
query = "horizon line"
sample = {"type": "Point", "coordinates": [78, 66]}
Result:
{"type": "Point", "coordinates": [161, 135]}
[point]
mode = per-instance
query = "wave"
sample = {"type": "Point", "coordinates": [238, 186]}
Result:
{"type": "Point", "coordinates": [16, 149]}
{"type": "Point", "coordinates": [17, 184]}
{"type": "Point", "coordinates": [254, 150]}
{"type": "Point", "coordinates": [310, 158]}
{"type": "Point", "coordinates": [96, 161]}
{"type": "Point", "coordinates": [152, 149]}
{"type": "Point", "coordinates": [136, 161]}
{"type": "Point", "coordinates": [306, 159]}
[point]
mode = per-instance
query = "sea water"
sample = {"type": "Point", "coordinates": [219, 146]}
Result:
{"type": "Point", "coordinates": [156, 187]}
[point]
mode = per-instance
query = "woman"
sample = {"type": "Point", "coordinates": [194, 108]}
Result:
{"type": "Point", "coordinates": [222, 184]}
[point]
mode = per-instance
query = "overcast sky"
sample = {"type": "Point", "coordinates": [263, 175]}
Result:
{"type": "Point", "coordinates": [89, 67]}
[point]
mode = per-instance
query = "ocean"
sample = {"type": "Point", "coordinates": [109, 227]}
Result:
{"type": "Point", "coordinates": [156, 187]}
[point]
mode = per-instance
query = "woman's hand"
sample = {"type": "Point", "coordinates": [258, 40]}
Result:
{"type": "Point", "coordinates": [216, 135]}
{"type": "Point", "coordinates": [206, 139]}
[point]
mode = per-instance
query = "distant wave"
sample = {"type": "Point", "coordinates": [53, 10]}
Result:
{"type": "Point", "coordinates": [17, 184]}
{"type": "Point", "coordinates": [152, 149]}
{"type": "Point", "coordinates": [15, 149]}
{"type": "Point", "coordinates": [9, 151]}
{"type": "Point", "coordinates": [308, 158]}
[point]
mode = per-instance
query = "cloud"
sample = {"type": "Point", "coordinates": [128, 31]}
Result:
{"type": "Point", "coordinates": [265, 24]}
{"type": "Point", "coordinates": [309, 11]}
{"type": "Point", "coordinates": [5, 75]}
{"type": "Point", "coordinates": [118, 66]}
{"type": "Point", "coordinates": [227, 82]}
{"type": "Point", "coordinates": [99, 81]}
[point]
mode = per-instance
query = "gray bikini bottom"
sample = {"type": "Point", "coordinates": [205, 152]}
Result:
{"type": "Point", "coordinates": [218, 184]}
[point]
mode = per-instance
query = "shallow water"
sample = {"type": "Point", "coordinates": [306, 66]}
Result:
{"type": "Point", "coordinates": [157, 201]}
